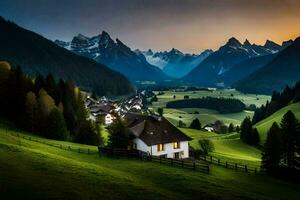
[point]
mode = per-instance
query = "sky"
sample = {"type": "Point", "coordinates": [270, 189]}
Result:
{"type": "Point", "coordinates": [188, 25]}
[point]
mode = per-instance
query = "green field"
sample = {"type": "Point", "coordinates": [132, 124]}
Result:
{"type": "Point", "coordinates": [264, 125]}
{"type": "Point", "coordinates": [247, 99]}
{"type": "Point", "coordinates": [32, 170]}
{"type": "Point", "coordinates": [206, 116]}
{"type": "Point", "coordinates": [228, 147]}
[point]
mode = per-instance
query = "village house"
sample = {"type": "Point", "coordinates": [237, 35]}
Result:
{"type": "Point", "coordinates": [103, 109]}
{"type": "Point", "coordinates": [157, 136]}
{"type": "Point", "coordinates": [209, 128]}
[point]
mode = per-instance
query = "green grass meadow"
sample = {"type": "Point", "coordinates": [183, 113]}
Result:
{"type": "Point", "coordinates": [264, 125]}
{"type": "Point", "coordinates": [227, 147]}
{"type": "Point", "coordinates": [33, 170]}
{"type": "Point", "coordinates": [206, 116]}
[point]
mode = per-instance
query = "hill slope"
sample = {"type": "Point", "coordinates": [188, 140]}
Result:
{"type": "Point", "coordinates": [245, 68]}
{"type": "Point", "coordinates": [283, 70]}
{"type": "Point", "coordinates": [264, 125]}
{"type": "Point", "coordinates": [35, 54]}
{"type": "Point", "coordinates": [53, 173]}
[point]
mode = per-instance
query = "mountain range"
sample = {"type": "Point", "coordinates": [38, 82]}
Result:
{"type": "Point", "coordinates": [92, 62]}
{"type": "Point", "coordinates": [282, 70]}
{"type": "Point", "coordinates": [115, 54]}
{"type": "Point", "coordinates": [38, 55]}
{"type": "Point", "coordinates": [220, 67]}
{"type": "Point", "coordinates": [175, 63]}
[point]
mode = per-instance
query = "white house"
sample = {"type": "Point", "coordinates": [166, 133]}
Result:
{"type": "Point", "coordinates": [157, 136]}
{"type": "Point", "coordinates": [103, 109]}
{"type": "Point", "coordinates": [209, 129]}
{"type": "Point", "coordinates": [108, 119]}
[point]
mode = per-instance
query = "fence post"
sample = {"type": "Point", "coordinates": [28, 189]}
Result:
{"type": "Point", "coordinates": [218, 161]}
{"type": "Point", "coordinates": [246, 170]}
{"type": "Point", "coordinates": [226, 164]}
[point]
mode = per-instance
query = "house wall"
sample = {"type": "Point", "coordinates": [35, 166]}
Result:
{"type": "Point", "coordinates": [168, 149]}
{"type": "Point", "coordinates": [108, 119]}
{"type": "Point", "coordinates": [140, 145]}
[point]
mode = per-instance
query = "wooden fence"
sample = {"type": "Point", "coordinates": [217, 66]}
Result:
{"type": "Point", "coordinates": [183, 163]}
{"type": "Point", "coordinates": [231, 165]}
{"type": "Point", "coordinates": [188, 164]}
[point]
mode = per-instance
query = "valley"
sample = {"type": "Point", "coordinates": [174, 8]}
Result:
{"type": "Point", "coordinates": [149, 100]}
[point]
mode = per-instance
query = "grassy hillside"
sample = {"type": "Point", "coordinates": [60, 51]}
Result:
{"type": "Point", "coordinates": [228, 147]}
{"type": "Point", "coordinates": [31, 170]}
{"type": "Point", "coordinates": [264, 125]}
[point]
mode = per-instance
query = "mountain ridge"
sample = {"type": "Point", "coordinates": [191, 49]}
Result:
{"type": "Point", "coordinates": [174, 62]}
{"type": "Point", "coordinates": [208, 72]}
{"type": "Point", "coordinates": [115, 54]}
{"type": "Point", "coordinates": [38, 55]}
{"type": "Point", "coordinates": [272, 76]}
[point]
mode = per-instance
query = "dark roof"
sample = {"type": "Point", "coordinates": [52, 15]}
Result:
{"type": "Point", "coordinates": [104, 108]}
{"type": "Point", "coordinates": [154, 130]}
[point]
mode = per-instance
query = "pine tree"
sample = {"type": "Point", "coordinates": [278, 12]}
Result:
{"type": "Point", "coordinates": [272, 152]}
{"type": "Point", "coordinates": [291, 132]}
{"type": "Point", "coordinates": [160, 111]}
{"type": "Point", "coordinates": [195, 124]}
{"type": "Point", "coordinates": [237, 129]}
{"type": "Point", "coordinates": [255, 137]}
{"type": "Point", "coordinates": [56, 126]}
{"type": "Point", "coordinates": [118, 135]}
{"type": "Point", "coordinates": [86, 134]}
{"type": "Point", "coordinates": [4, 78]}
{"type": "Point", "coordinates": [246, 130]}
{"type": "Point", "coordinates": [31, 111]}
{"type": "Point", "coordinates": [231, 128]}
{"type": "Point", "coordinates": [181, 124]}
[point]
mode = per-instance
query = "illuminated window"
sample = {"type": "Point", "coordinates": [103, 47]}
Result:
{"type": "Point", "coordinates": [176, 145]}
{"type": "Point", "coordinates": [160, 147]}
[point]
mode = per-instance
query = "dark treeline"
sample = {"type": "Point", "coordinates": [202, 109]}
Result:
{"type": "Point", "coordinates": [278, 101]}
{"type": "Point", "coordinates": [281, 152]}
{"type": "Point", "coordinates": [45, 107]}
{"type": "Point", "coordinates": [222, 105]}
{"type": "Point", "coordinates": [248, 134]}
